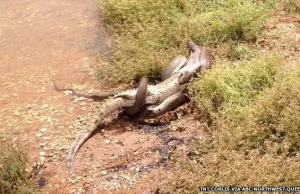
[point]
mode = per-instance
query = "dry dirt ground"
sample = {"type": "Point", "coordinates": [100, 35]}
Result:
{"type": "Point", "coordinates": [62, 39]}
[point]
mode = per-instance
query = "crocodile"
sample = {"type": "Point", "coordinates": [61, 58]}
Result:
{"type": "Point", "coordinates": [166, 94]}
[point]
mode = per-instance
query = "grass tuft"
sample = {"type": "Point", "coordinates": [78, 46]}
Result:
{"type": "Point", "coordinates": [13, 175]}
{"type": "Point", "coordinates": [271, 123]}
{"type": "Point", "coordinates": [226, 88]}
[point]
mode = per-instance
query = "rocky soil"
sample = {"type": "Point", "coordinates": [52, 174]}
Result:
{"type": "Point", "coordinates": [62, 39]}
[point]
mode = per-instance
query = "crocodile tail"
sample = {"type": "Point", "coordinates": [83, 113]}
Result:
{"type": "Point", "coordinates": [106, 109]}
{"type": "Point", "coordinates": [76, 145]}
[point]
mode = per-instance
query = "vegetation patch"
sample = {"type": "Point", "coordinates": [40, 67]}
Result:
{"type": "Point", "coordinates": [258, 146]}
{"type": "Point", "coordinates": [148, 34]}
{"type": "Point", "coordinates": [14, 178]}
{"type": "Point", "coordinates": [228, 87]}
{"type": "Point", "coordinates": [271, 123]}
{"type": "Point", "coordinates": [229, 168]}
{"type": "Point", "coordinates": [292, 5]}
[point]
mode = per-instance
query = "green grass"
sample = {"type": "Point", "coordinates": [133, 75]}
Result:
{"type": "Point", "coordinates": [14, 178]}
{"type": "Point", "coordinates": [258, 146]}
{"type": "Point", "coordinates": [271, 123]}
{"type": "Point", "coordinates": [228, 87]}
{"type": "Point", "coordinates": [148, 34]}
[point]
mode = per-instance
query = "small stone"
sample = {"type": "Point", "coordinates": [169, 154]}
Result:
{"type": "Point", "coordinates": [46, 138]}
{"type": "Point", "coordinates": [43, 144]}
{"type": "Point", "coordinates": [116, 141]}
{"type": "Point", "coordinates": [43, 130]}
{"type": "Point", "coordinates": [67, 92]}
{"type": "Point", "coordinates": [38, 135]}
{"type": "Point", "coordinates": [104, 172]}
{"type": "Point", "coordinates": [80, 98]}
{"type": "Point", "coordinates": [17, 113]}
{"type": "Point", "coordinates": [137, 169]}
{"type": "Point", "coordinates": [90, 91]}
{"type": "Point", "coordinates": [107, 141]}
{"type": "Point", "coordinates": [45, 106]}
{"type": "Point", "coordinates": [42, 154]}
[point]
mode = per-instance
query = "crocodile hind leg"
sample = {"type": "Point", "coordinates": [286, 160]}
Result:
{"type": "Point", "coordinates": [170, 103]}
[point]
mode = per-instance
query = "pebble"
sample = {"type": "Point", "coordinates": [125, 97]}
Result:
{"type": "Point", "coordinates": [42, 153]}
{"type": "Point", "coordinates": [17, 113]}
{"type": "Point", "coordinates": [116, 141]}
{"type": "Point", "coordinates": [67, 92]}
{"type": "Point", "coordinates": [81, 98]}
{"type": "Point", "coordinates": [45, 106]}
{"type": "Point", "coordinates": [43, 130]}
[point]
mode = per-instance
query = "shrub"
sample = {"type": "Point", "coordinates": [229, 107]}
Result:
{"type": "Point", "coordinates": [271, 123]}
{"type": "Point", "coordinates": [13, 175]}
{"type": "Point", "coordinates": [226, 88]}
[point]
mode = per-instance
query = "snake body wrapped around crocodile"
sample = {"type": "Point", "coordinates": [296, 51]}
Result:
{"type": "Point", "coordinates": [167, 94]}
